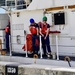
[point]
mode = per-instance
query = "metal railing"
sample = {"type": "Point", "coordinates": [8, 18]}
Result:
{"type": "Point", "coordinates": [58, 45]}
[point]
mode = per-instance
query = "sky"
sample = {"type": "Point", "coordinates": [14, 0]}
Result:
{"type": "Point", "coordinates": [2, 10]}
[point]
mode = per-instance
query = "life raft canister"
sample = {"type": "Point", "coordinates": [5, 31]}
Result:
{"type": "Point", "coordinates": [28, 44]}
{"type": "Point", "coordinates": [7, 29]}
{"type": "Point", "coordinates": [33, 30]}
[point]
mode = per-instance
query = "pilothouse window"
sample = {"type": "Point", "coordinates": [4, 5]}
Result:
{"type": "Point", "coordinates": [21, 4]}
{"type": "Point", "coordinates": [18, 4]}
{"type": "Point", "coordinates": [10, 3]}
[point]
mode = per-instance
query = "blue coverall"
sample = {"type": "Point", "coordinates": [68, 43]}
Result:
{"type": "Point", "coordinates": [7, 38]}
{"type": "Point", "coordinates": [45, 42]}
{"type": "Point", "coordinates": [34, 38]}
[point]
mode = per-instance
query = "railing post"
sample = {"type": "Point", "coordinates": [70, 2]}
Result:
{"type": "Point", "coordinates": [40, 48]}
{"type": "Point", "coordinates": [5, 2]}
{"type": "Point", "coordinates": [26, 47]}
{"type": "Point", "coordinates": [10, 45]}
{"type": "Point", "coordinates": [57, 47]}
{"type": "Point", "coordinates": [16, 4]}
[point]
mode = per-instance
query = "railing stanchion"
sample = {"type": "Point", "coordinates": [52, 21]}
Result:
{"type": "Point", "coordinates": [57, 47]}
{"type": "Point", "coordinates": [26, 47]}
{"type": "Point", "coordinates": [40, 48]}
{"type": "Point", "coordinates": [10, 45]}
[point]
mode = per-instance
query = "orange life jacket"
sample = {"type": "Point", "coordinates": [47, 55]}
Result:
{"type": "Point", "coordinates": [44, 28]}
{"type": "Point", "coordinates": [33, 30]}
{"type": "Point", "coordinates": [7, 29]}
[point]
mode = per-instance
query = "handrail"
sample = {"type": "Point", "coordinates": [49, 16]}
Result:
{"type": "Point", "coordinates": [18, 47]}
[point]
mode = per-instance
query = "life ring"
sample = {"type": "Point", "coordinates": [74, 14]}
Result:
{"type": "Point", "coordinates": [67, 58]}
{"type": "Point", "coordinates": [35, 56]}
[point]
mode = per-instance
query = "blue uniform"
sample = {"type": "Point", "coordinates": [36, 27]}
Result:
{"type": "Point", "coordinates": [35, 40]}
{"type": "Point", "coordinates": [7, 30]}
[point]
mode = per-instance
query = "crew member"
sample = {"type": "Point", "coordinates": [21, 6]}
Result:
{"type": "Point", "coordinates": [35, 38]}
{"type": "Point", "coordinates": [7, 31]}
{"type": "Point", "coordinates": [44, 31]}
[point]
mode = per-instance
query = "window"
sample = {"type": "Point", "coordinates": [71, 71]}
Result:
{"type": "Point", "coordinates": [59, 18]}
{"type": "Point", "coordinates": [10, 3]}
{"type": "Point", "coordinates": [2, 2]}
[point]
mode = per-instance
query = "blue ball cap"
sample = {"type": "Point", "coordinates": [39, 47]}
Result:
{"type": "Point", "coordinates": [31, 20]}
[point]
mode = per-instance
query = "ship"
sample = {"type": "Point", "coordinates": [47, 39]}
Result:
{"type": "Point", "coordinates": [60, 14]}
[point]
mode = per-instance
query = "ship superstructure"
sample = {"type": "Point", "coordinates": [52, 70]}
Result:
{"type": "Point", "coordinates": [60, 14]}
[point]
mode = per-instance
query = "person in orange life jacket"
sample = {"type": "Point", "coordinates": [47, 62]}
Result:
{"type": "Point", "coordinates": [44, 32]}
{"type": "Point", "coordinates": [35, 38]}
{"type": "Point", "coordinates": [7, 31]}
